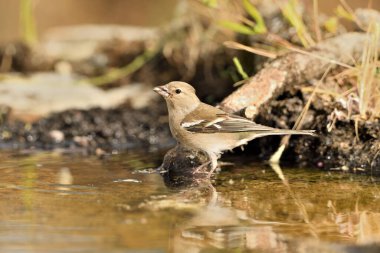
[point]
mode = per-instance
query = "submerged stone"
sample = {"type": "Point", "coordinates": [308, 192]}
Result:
{"type": "Point", "coordinates": [183, 167]}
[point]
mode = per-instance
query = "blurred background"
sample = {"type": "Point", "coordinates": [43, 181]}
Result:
{"type": "Point", "coordinates": [50, 14]}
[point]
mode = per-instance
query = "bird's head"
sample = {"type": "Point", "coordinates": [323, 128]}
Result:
{"type": "Point", "coordinates": [179, 96]}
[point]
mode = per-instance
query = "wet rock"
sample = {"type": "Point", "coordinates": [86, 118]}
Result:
{"type": "Point", "coordinates": [182, 167]}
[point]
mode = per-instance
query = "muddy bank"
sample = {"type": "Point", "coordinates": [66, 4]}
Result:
{"type": "Point", "coordinates": [339, 149]}
{"type": "Point", "coordinates": [91, 130]}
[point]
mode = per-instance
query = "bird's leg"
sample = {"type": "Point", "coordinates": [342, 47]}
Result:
{"type": "Point", "coordinates": [222, 164]}
{"type": "Point", "coordinates": [200, 167]}
{"type": "Point", "coordinates": [214, 163]}
{"type": "Point", "coordinates": [213, 160]}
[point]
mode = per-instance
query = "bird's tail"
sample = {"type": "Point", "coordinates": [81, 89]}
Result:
{"type": "Point", "coordinates": [301, 132]}
{"type": "Point", "coordinates": [285, 132]}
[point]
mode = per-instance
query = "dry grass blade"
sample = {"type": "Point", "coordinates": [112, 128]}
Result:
{"type": "Point", "coordinates": [277, 169]}
{"type": "Point", "coordinates": [297, 201]}
{"type": "Point", "coordinates": [289, 11]}
{"type": "Point", "coordinates": [238, 46]}
{"type": "Point", "coordinates": [317, 29]}
{"type": "Point", "coordinates": [352, 13]}
{"type": "Point", "coordinates": [286, 44]}
{"type": "Point", "coordinates": [298, 50]}
{"type": "Point", "coordinates": [324, 91]}
{"type": "Point", "coordinates": [275, 158]}
{"type": "Point", "coordinates": [368, 78]}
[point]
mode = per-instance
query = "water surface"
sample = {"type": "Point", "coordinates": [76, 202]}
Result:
{"type": "Point", "coordinates": [53, 202]}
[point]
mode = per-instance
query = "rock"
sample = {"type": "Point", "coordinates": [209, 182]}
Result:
{"type": "Point", "coordinates": [180, 167]}
{"type": "Point", "coordinates": [367, 16]}
{"type": "Point", "coordinates": [57, 136]}
{"type": "Point", "coordinates": [36, 96]}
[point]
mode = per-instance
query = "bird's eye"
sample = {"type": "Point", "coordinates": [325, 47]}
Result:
{"type": "Point", "coordinates": [178, 91]}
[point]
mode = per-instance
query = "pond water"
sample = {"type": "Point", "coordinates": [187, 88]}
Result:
{"type": "Point", "coordinates": [54, 202]}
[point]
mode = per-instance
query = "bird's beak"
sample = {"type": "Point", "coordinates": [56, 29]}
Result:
{"type": "Point", "coordinates": [162, 90]}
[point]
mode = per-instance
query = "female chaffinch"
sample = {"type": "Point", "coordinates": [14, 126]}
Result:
{"type": "Point", "coordinates": [201, 126]}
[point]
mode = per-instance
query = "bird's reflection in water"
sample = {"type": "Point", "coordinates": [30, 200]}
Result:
{"type": "Point", "coordinates": [214, 225]}
{"type": "Point", "coordinates": [218, 226]}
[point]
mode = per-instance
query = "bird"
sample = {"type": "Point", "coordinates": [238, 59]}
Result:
{"type": "Point", "coordinates": [200, 126]}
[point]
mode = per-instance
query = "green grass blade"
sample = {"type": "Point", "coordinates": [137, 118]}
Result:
{"type": "Point", "coordinates": [236, 27]}
{"type": "Point", "coordinates": [210, 3]}
{"type": "Point", "coordinates": [27, 22]}
{"type": "Point", "coordinates": [240, 69]}
{"type": "Point", "coordinates": [289, 11]}
{"type": "Point", "coordinates": [260, 26]}
{"type": "Point", "coordinates": [116, 74]}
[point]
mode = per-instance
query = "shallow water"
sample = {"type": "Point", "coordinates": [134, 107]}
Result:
{"type": "Point", "coordinates": [53, 202]}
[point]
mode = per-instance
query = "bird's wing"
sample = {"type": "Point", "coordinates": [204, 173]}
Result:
{"type": "Point", "coordinates": [208, 119]}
